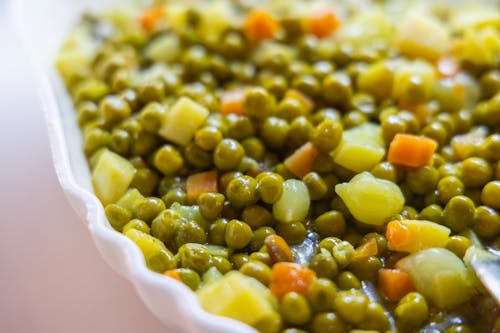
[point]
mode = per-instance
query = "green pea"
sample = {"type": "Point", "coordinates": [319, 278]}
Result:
{"type": "Point", "coordinates": [324, 265]}
{"type": "Point", "coordinates": [261, 256]}
{"type": "Point", "coordinates": [490, 149]}
{"type": "Point", "coordinates": [197, 157]}
{"type": "Point", "coordinates": [194, 256]}
{"type": "Point", "coordinates": [145, 180]}
{"type": "Point", "coordinates": [95, 139]}
{"type": "Point", "coordinates": [308, 84]}
{"type": "Point", "coordinates": [207, 138]}
{"type": "Point", "coordinates": [379, 238]}
{"type": "Point", "coordinates": [259, 237]}
{"type": "Point", "coordinates": [375, 318]}
{"type": "Point", "coordinates": [274, 132]}
{"type": "Point", "coordinates": [458, 213]}
{"type": "Point", "coordinates": [490, 195]}
{"type": "Point", "coordinates": [258, 270]}
{"type": "Point", "coordinates": [210, 204]}
{"type": "Point", "coordinates": [87, 111]}
{"type": "Point", "coordinates": [114, 109]}
{"type": "Point", "coordinates": [343, 253]}
{"type": "Point", "coordinates": [289, 109]}
{"type": "Point", "coordinates": [392, 125]}
{"type": "Point", "coordinates": [354, 118]}
{"type": "Point", "coordinates": [366, 268]}
{"type": "Point", "coordinates": [117, 216]}
{"type": "Point", "coordinates": [232, 45]}
{"type": "Point", "coordinates": [330, 224]}
{"type": "Point", "coordinates": [270, 187]}
{"type": "Point", "coordinates": [315, 184]}
{"type": "Point", "coordinates": [449, 187]}
{"type": "Point", "coordinates": [174, 195]}
{"type": "Point", "coordinates": [256, 216]}
{"type": "Point", "coordinates": [121, 142]}
{"type": "Point", "coordinates": [293, 233]}
{"type": "Point", "coordinates": [189, 277]}
{"type": "Point", "coordinates": [148, 208]}
{"type": "Point", "coordinates": [295, 309]}
{"type": "Point", "coordinates": [222, 264]}
{"type": "Point", "coordinates": [422, 180]}
{"type": "Point", "coordinates": [299, 133]}
{"type": "Point", "coordinates": [238, 234]}
{"type": "Point", "coordinates": [165, 225]}
{"type": "Point", "coordinates": [145, 143]}
{"type": "Point", "coordinates": [409, 213]}
{"type": "Point", "coordinates": [321, 294]}
{"type": "Point", "coordinates": [458, 245]}
{"type": "Point", "coordinates": [195, 60]}
{"type": "Point", "coordinates": [150, 91]}
{"type": "Point", "coordinates": [347, 280]}
{"type": "Point", "coordinates": [387, 170]}
{"type": "Point", "coordinates": [254, 148]}
{"type": "Point", "coordinates": [228, 154]}
{"type": "Point", "coordinates": [242, 191]}
{"type": "Point", "coordinates": [351, 305]}
{"type": "Point", "coordinates": [239, 259]}
{"type": "Point", "coordinates": [240, 127]}
{"type": "Point", "coordinates": [188, 232]}
{"type": "Point", "coordinates": [412, 310]}
{"type": "Point", "coordinates": [476, 172]}
{"type": "Point", "coordinates": [89, 89]}
{"type": "Point", "coordinates": [432, 213]}
{"type": "Point", "coordinates": [258, 103]}
{"type": "Point", "coordinates": [328, 322]}
{"type": "Point", "coordinates": [151, 117]}
{"type": "Point", "coordinates": [293, 330]}
{"type": "Point", "coordinates": [271, 323]}
{"type": "Point", "coordinates": [161, 261]}
{"type": "Point", "coordinates": [459, 329]}
{"type": "Point", "coordinates": [486, 222]}
{"type": "Point", "coordinates": [328, 243]}
{"type": "Point", "coordinates": [337, 89]}
{"type": "Point", "coordinates": [136, 224]}
{"type": "Point", "coordinates": [131, 97]}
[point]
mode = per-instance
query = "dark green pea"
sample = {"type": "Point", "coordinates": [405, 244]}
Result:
{"type": "Point", "coordinates": [258, 103]}
{"type": "Point", "coordinates": [337, 89]}
{"type": "Point", "coordinates": [289, 109]}
{"type": "Point", "coordinates": [131, 125]}
{"type": "Point", "coordinates": [254, 148]}
{"type": "Point", "coordinates": [228, 154]}
{"type": "Point", "coordinates": [189, 277]}
{"type": "Point", "coordinates": [299, 132]}
{"type": "Point", "coordinates": [422, 180]}
{"type": "Point", "coordinates": [327, 135]}
{"type": "Point", "coordinates": [436, 131]}
{"type": "Point", "coordinates": [114, 109]}
{"type": "Point", "coordinates": [258, 270]}
{"type": "Point", "coordinates": [458, 245]}
{"type": "Point", "coordinates": [308, 84]}
{"type": "Point", "coordinates": [459, 329]}
{"type": "Point", "coordinates": [330, 224]}
{"type": "Point", "coordinates": [270, 187]}
{"type": "Point", "coordinates": [412, 310]}
{"type": "Point", "coordinates": [328, 322]}
{"type": "Point", "coordinates": [87, 112]}
{"type": "Point", "coordinates": [161, 261]}
{"type": "Point", "coordinates": [217, 232]}
{"type": "Point", "coordinates": [276, 85]}
{"type": "Point", "coordinates": [295, 309]}
{"type": "Point", "coordinates": [352, 305]}
{"type": "Point", "coordinates": [274, 132]}
{"type": "Point", "coordinates": [189, 232]}
{"type": "Point", "coordinates": [151, 117]}
{"type": "Point", "coordinates": [315, 184]}
{"type": "Point", "coordinates": [476, 172]}
{"type": "Point", "coordinates": [239, 259]}
{"type": "Point", "coordinates": [490, 83]}
{"type": "Point", "coordinates": [329, 242]}
{"type": "Point", "coordinates": [151, 91]}
{"type": "Point", "coordinates": [195, 60]}
{"type": "Point", "coordinates": [474, 194]}
{"type": "Point", "coordinates": [174, 195]}
{"type": "Point", "coordinates": [121, 142]}
{"type": "Point", "coordinates": [259, 237]}
{"type": "Point", "coordinates": [346, 280]}
{"type": "Point", "coordinates": [449, 187]}
{"type": "Point", "coordinates": [293, 233]}
{"type": "Point", "coordinates": [354, 118]}
{"type": "Point", "coordinates": [486, 222]}
{"type": "Point", "coordinates": [321, 294]}
{"type": "Point", "coordinates": [432, 213]}
{"type": "Point", "coordinates": [95, 139]}
{"type": "Point", "coordinates": [339, 205]}
{"type": "Point", "coordinates": [207, 138]}
{"type": "Point", "coordinates": [490, 195]}
{"type": "Point", "coordinates": [138, 225]}
{"type": "Point", "coordinates": [117, 216]}
{"type": "Point", "coordinates": [375, 318]}
{"type": "Point", "coordinates": [194, 256]}
{"type": "Point", "coordinates": [210, 204]}
{"type": "Point", "coordinates": [458, 213]}
{"type": "Point", "coordinates": [256, 216]}
{"type": "Point", "coordinates": [197, 157]}
{"type": "Point", "coordinates": [144, 144]}
{"type": "Point", "coordinates": [230, 211]}
{"type": "Point", "coordinates": [242, 191]}
{"type": "Point", "coordinates": [411, 121]}
{"type": "Point", "coordinates": [408, 212]}
{"type": "Point", "coordinates": [239, 127]}
{"type": "Point", "coordinates": [324, 265]}
{"type": "Point", "coordinates": [238, 234]}
{"type": "Point", "coordinates": [262, 257]}
{"type": "Point", "coordinates": [165, 225]}
{"type": "Point", "coordinates": [366, 268]}
{"type": "Point", "coordinates": [222, 264]}
{"type": "Point", "coordinates": [148, 208]}
{"type": "Point", "coordinates": [145, 180]}
{"type": "Point", "coordinates": [392, 125]}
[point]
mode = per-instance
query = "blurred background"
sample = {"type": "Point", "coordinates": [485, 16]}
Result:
{"type": "Point", "coordinates": [52, 278]}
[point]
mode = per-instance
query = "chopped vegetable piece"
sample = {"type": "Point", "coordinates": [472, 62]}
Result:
{"type": "Point", "coordinates": [128, 199]}
{"type": "Point", "coordinates": [232, 102]}
{"type": "Point", "coordinates": [152, 17]}
{"type": "Point", "coordinates": [322, 23]}
{"type": "Point", "coordinates": [464, 145]}
{"type": "Point", "coordinates": [294, 202]}
{"type": "Point", "coordinates": [411, 150]}
{"type": "Point", "coordinates": [415, 235]}
{"type": "Point", "coordinates": [278, 249]}
{"type": "Point", "coordinates": [199, 183]}
{"type": "Point", "coordinates": [305, 102]}
{"type": "Point", "coordinates": [371, 200]}
{"type": "Point", "coordinates": [287, 277]}
{"type": "Point", "coordinates": [182, 121]}
{"type": "Point", "coordinates": [173, 274]}
{"type": "Point", "coordinates": [158, 257]}
{"type": "Point", "coordinates": [301, 161]}
{"type": "Point", "coordinates": [111, 177]}
{"type": "Point", "coordinates": [394, 283]}
{"type": "Point", "coordinates": [366, 249]}
{"type": "Point", "coordinates": [260, 25]}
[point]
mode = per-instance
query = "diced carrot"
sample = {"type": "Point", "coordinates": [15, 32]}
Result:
{"type": "Point", "coordinates": [301, 161]}
{"type": "Point", "coordinates": [172, 273]}
{"type": "Point", "coordinates": [395, 284]}
{"type": "Point", "coordinates": [367, 249]}
{"type": "Point", "coordinates": [232, 102]}
{"type": "Point", "coordinates": [306, 103]}
{"type": "Point", "coordinates": [278, 249]}
{"type": "Point", "coordinates": [411, 150]}
{"type": "Point", "coordinates": [152, 17]}
{"type": "Point", "coordinates": [447, 66]}
{"type": "Point", "coordinates": [260, 25]}
{"type": "Point", "coordinates": [322, 23]}
{"type": "Point", "coordinates": [199, 183]}
{"type": "Point", "coordinates": [287, 277]}
{"type": "Point", "coordinates": [398, 234]}
{"type": "Point", "coordinates": [415, 235]}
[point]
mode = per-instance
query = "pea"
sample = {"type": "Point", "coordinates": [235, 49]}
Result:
{"type": "Point", "coordinates": [337, 89]}
{"type": "Point", "coordinates": [114, 109]}
{"type": "Point", "coordinates": [256, 216]}
{"type": "Point", "coordinates": [328, 322]}
{"type": "Point", "coordinates": [490, 83]}
{"type": "Point", "coordinates": [228, 154]}
{"type": "Point", "coordinates": [366, 268]}
{"type": "Point", "coordinates": [145, 143]}
{"type": "Point", "coordinates": [422, 180]}
{"type": "Point", "coordinates": [328, 243]}
{"type": "Point", "coordinates": [375, 318]}
{"type": "Point", "coordinates": [299, 133]}
{"type": "Point", "coordinates": [258, 103]}
{"type": "Point", "coordinates": [409, 213]}
{"type": "Point", "coordinates": [351, 305]}
{"type": "Point", "coordinates": [276, 85]}
{"type": "Point", "coordinates": [240, 127]}
{"type": "Point", "coordinates": [459, 329]}
{"type": "Point", "coordinates": [486, 222]}
{"type": "Point", "coordinates": [274, 132]}
{"type": "Point", "coordinates": [165, 225]}
{"type": "Point", "coordinates": [379, 238]}
{"type": "Point", "coordinates": [131, 97]}
{"type": "Point", "coordinates": [458, 213]}
{"type": "Point", "coordinates": [197, 157]}
{"type": "Point", "coordinates": [343, 252]}
{"type": "Point", "coordinates": [293, 233]}
{"type": "Point", "coordinates": [222, 264]}
{"type": "Point", "coordinates": [148, 208]}
{"type": "Point", "coordinates": [150, 91]}
{"type": "Point", "coordinates": [136, 224]}
{"type": "Point", "coordinates": [210, 204]}
{"type": "Point", "coordinates": [254, 148]}
{"type": "Point", "coordinates": [217, 232]}
{"type": "Point", "coordinates": [174, 195]}
{"type": "Point", "coordinates": [189, 277]}
{"type": "Point", "coordinates": [295, 309]}
{"type": "Point", "coordinates": [490, 195]}
{"type": "Point", "coordinates": [388, 171]}
{"type": "Point", "coordinates": [161, 261]}
{"type": "Point", "coordinates": [95, 139]}
{"type": "Point", "coordinates": [392, 125]}
{"type": "Point", "coordinates": [293, 330]}
{"type": "Point", "coordinates": [258, 270]}
{"type": "Point", "coordinates": [87, 111]}
{"type": "Point", "coordinates": [432, 213]}
{"type": "Point", "coordinates": [412, 310]}
{"type": "Point", "coordinates": [315, 184]}
{"type": "Point", "coordinates": [207, 138]}
{"type": "Point", "coordinates": [145, 180]}
{"type": "Point", "coordinates": [117, 216]}
{"type": "Point", "coordinates": [262, 257]}
{"type": "Point", "coordinates": [259, 237]}
{"type": "Point", "coordinates": [321, 294]}
{"type": "Point", "coordinates": [194, 256]}
{"type": "Point", "coordinates": [270, 187]}
{"type": "Point", "coordinates": [347, 280]}
{"type": "Point", "coordinates": [490, 149]}
{"type": "Point", "coordinates": [476, 172]}
{"type": "Point", "coordinates": [449, 187]}
{"type": "Point", "coordinates": [242, 191]}
{"type": "Point", "coordinates": [330, 224]}
{"type": "Point", "coordinates": [239, 259]}
{"type": "Point", "coordinates": [458, 245]}
{"type": "Point", "coordinates": [324, 265]}
{"type": "Point", "coordinates": [308, 84]}
{"type": "Point", "coordinates": [238, 234]}
{"type": "Point", "coordinates": [188, 232]}
{"type": "Point", "coordinates": [354, 118]}
{"type": "Point", "coordinates": [289, 109]}
{"type": "Point", "coordinates": [151, 117]}
{"type": "Point", "coordinates": [269, 324]}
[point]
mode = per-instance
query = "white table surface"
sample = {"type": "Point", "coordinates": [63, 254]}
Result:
{"type": "Point", "coordinates": [52, 278]}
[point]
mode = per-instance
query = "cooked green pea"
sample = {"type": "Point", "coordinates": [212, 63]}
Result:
{"type": "Point", "coordinates": [490, 195]}
{"type": "Point", "coordinates": [387, 170]}
{"type": "Point", "coordinates": [136, 224]}
{"type": "Point", "coordinates": [228, 154]}
{"type": "Point", "coordinates": [239, 259]}
{"type": "Point", "coordinates": [337, 89]}
{"type": "Point", "coordinates": [490, 83]}
{"type": "Point", "coordinates": [422, 180]}
{"type": "Point", "coordinates": [299, 133]}
{"type": "Point", "coordinates": [293, 330]}
{"type": "Point", "coordinates": [148, 208]}
{"type": "Point", "coordinates": [328, 322]}
{"type": "Point", "coordinates": [238, 234]}
{"type": "Point", "coordinates": [259, 237]}
{"type": "Point", "coordinates": [151, 117]}
{"type": "Point", "coordinates": [95, 139]}
{"type": "Point", "coordinates": [189, 277]}
{"type": "Point", "coordinates": [412, 310]}
{"type": "Point", "coordinates": [194, 256]}
{"type": "Point", "coordinates": [145, 180]}
{"type": "Point", "coordinates": [375, 318]}
{"type": "Point", "coordinates": [117, 216]}
{"type": "Point", "coordinates": [458, 245]}
{"type": "Point", "coordinates": [293, 233]}
{"type": "Point", "coordinates": [239, 127]}
{"type": "Point", "coordinates": [161, 261]}
{"type": "Point", "coordinates": [87, 112]}
{"type": "Point", "coordinates": [351, 305]}
{"type": "Point", "coordinates": [321, 294]}
{"type": "Point", "coordinates": [329, 242]}
{"type": "Point", "coordinates": [254, 148]}
{"type": "Point", "coordinates": [274, 132]}
{"type": "Point", "coordinates": [197, 157]}
{"type": "Point", "coordinates": [432, 213]}
{"type": "Point", "coordinates": [145, 143]}
{"type": "Point", "coordinates": [476, 172]}
{"type": "Point", "coordinates": [151, 91]}
{"type": "Point", "coordinates": [174, 195]}
{"type": "Point", "coordinates": [409, 213]}
{"type": "Point", "coordinates": [346, 280]}
{"type": "Point", "coordinates": [486, 222]}
{"type": "Point", "coordinates": [257, 270]}
{"type": "Point", "coordinates": [207, 138]}
{"type": "Point", "coordinates": [295, 309]}
{"type": "Point", "coordinates": [392, 125]}
{"type": "Point", "coordinates": [270, 187]}
{"type": "Point", "coordinates": [114, 109]}
{"type": "Point", "coordinates": [256, 216]}
{"type": "Point", "coordinates": [131, 97]}
{"type": "Point", "coordinates": [343, 253]}
{"type": "Point", "coordinates": [308, 84]}
{"type": "Point", "coordinates": [366, 268]}
{"type": "Point", "coordinates": [165, 225]}
{"type": "Point", "coordinates": [242, 191]}
{"type": "Point", "coordinates": [210, 204]}
{"type": "Point", "coordinates": [324, 265]}
{"type": "Point", "coordinates": [354, 118]}
{"type": "Point", "coordinates": [459, 329]}
{"type": "Point", "coordinates": [222, 264]}
{"type": "Point", "coordinates": [490, 149]}
{"type": "Point", "coordinates": [315, 184]}
{"type": "Point", "coordinates": [188, 232]}
{"type": "Point", "coordinates": [261, 256]}
{"type": "Point", "coordinates": [449, 187]}
{"type": "Point", "coordinates": [258, 103]}
{"type": "Point", "coordinates": [458, 213]}
{"type": "Point", "coordinates": [121, 141]}
{"type": "Point", "coordinates": [289, 109]}
{"type": "Point", "coordinates": [330, 224]}
{"type": "Point", "coordinates": [217, 232]}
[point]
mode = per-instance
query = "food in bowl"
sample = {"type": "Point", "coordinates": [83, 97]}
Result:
{"type": "Point", "coordinates": [302, 167]}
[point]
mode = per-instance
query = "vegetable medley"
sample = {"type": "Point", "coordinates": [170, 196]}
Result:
{"type": "Point", "coordinates": [302, 166]}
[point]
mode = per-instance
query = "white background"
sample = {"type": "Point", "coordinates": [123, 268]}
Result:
{"type": "Point", "coordinates": [52, 278]}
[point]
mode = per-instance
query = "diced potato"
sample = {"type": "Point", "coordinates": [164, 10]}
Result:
{"type": "Point", "coordinates": [217, 17]}
{"type": "Point", "coordinates": [420, 35]}
{"type": "Point", "coordinates": [415, 235]}
{"type": "Point", "coordinates": [464, 145]}
{"type": "Point", "coordinates": [127, 200]}
{"type": "Point", "coordinates": [361, 148]}
{"type": "Point", "coordinates": [75, 57]}
{"type": "Point", "coordinates": [182, 121]}
{"type": "Point", "coordinates": [440, 276]}
{"type": "Point", "coordinates": [147, 243]}
{"type": "Point", "coordinates": [409, 73]}
{"type": "Point", "coordinates": [239, 297]}
{"type": "Point", "coordinates": [474, 16]}
{"type": "Point", "coordinates": [293, 205]}
{"type": "Point", "coordinates": [371, 200]}
{"type": "Point", "coordinates": [377, 79]}
{"type": "Point", "coordinates": [480, 47]}
{"type": "Point", "coordinates": [164, 48]}
{"type": "Point", "coordinates": [111, 177]}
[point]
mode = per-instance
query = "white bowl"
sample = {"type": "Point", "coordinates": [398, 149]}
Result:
{"type": "Point", "coordinates": [43, 25]}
